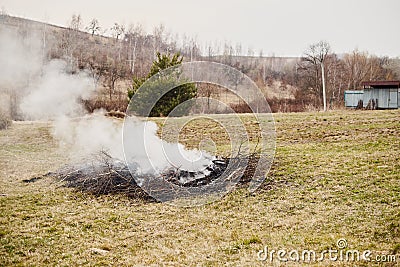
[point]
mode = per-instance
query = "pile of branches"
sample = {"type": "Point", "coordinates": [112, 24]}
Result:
{"type": "Point", "coordinates": [102, 176]}
{"type": "Point", "coordinates": [106, 175]}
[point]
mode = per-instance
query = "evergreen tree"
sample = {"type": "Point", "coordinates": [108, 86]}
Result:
{"type": "Point", "coordinates": [154, 88]}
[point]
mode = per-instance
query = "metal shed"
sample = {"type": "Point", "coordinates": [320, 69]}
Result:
{"type": "Point", "coordinates": [352, 98]}
{"type": "Point", "coordinates": [381, 94]}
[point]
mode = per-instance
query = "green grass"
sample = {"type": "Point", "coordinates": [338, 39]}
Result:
{"type": "Point", "coordinates": [335, 175]}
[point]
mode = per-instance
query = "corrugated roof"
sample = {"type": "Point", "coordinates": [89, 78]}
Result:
{"type": "Point", "coordinates": [381, 83]}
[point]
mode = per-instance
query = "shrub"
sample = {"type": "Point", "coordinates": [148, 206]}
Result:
{"type": "Point", "coordinates": [5, 121]}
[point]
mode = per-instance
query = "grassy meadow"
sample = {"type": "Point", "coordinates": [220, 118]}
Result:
{"type": "Point", "coordinates": [335, 175]}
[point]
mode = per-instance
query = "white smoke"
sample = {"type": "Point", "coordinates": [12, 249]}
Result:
{"type": "Point", "coordinates": [88, 135]}
{"type": "Point", "coordinates": [153, 155]}
{"type": "Point", "coordinates": [20, 62]}
{"type": "Point", "coordinates": [48, 91]}
{"type": "Point", "coordinates": [42, 90]}
{"type": "Point", "coordinates": [21, 59]}
{"type": "Point", "coordinates": [56, 93]}
{"type": "Point", "coordinates": [85, 136]}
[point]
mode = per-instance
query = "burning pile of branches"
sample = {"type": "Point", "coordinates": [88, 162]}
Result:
{"type": "Point", "coordinates": [106, 175]}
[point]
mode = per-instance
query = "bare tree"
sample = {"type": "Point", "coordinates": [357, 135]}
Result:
{"type": "Point", "coordinates": [97, 65]}
{"type": "Point", "coordinates": [316, 55]}
{"type": "Point", "coordinates": [158, 39]}
{"type": "Point", "coordinates": [3, 11]}
{"type": "Point", "coordinates": [356, 65]}
{"type": "Point", "coordinates": [228, 53]}
{"type": "Point", "coordinates": [359, 67]}
{"type": "Point", "coordinates": [118, 31]}
{"type": "Point", "coordinates": [114, 72]}
{"type": "Point", "coordinates": [394, 67]}
{"type": "Point", "coordinates": [238, 49]}
{"type": "Point", "coordinates": [194, 49]}
{"type": "Point", "coordinates": [76, 22]}
{"type": "Point", "coordinates": [93, 27]}
{"type": "Point", "coordinates": [134, 39]}
{"type": "Point", "coordinates": [336, 82]}
{"type": "Point", "coordinates": [210, 51]}
{"type": "Point", "coordinates": [208, 90]}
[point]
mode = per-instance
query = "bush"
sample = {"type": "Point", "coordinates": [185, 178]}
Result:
{"type": "Point", "coordinates": [102, 103]}
{"type": "Point", "coordinates": [5, 121]}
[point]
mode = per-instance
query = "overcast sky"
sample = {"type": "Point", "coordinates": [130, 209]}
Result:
{"type": "Point", "coordinates": [280, 27]}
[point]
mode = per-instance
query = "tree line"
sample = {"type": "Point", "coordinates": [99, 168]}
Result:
{"type": "Point", "coordinates": [127, 54]}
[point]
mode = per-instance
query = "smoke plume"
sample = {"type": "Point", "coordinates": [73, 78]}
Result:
{"type": "Point", "coordinates": [57, 91]}
{"type": "Point", "coordinates": [48, 90]}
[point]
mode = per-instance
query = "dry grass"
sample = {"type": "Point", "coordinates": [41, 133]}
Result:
{"type": "Point", "coordinates": [335, 175]}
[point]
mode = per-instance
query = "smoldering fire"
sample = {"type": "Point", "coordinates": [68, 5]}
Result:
{"type": "Point", "coordinates": [48, 91]}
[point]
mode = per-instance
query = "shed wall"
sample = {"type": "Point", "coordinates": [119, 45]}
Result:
{"type": "Point", "coordinates": [387, 97]}
{"type": "Point", "coordinates": [351, 98]}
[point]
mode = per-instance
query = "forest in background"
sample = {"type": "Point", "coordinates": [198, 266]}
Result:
{"type": "Point", "coordinates": [114, 58]}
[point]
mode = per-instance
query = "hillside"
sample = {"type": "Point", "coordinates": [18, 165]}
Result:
{"type": "Point", "coordinates": [289, 83]}
{"type": "Point", "coordinates": [113, 62]}
{"type": "Point", "coordinates": [51, 36]}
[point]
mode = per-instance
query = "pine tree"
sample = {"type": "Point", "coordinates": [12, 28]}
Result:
{"type": "Point", "coordinates": [145, 97]}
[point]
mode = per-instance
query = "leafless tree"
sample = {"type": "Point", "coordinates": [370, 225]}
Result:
{"type": "Point", "coordinates": [208, 91]}
{"type": "Point", "coordinates": [210, 51]}
{"type": "Point", "coordinates": [359, 67]}
{"type": "Point", "coordinates": [93, 27]}
{"type": "Point", "coordinates": [250, 52]}
{"type": "Point", "coordinates": [394, 66]}
{"type": "Point", "coordinates": [3, 11]}
{"type": "Point", "coordinates": [76, 22]}
{"type": "Point", "coordinates": [336, 83]}
{"type": "Point", "coordinates": [316, 55]}
{"type": "Point", "coordinates": [114, 71]}
{"type": "Point", "coordinates": [134, 40]}
{"type": "Point", "coordinates": [228, 53]}
{"type": "Point", "coordinates": [238, 49]}
{"type": "Point", "coordinates": [158, 38]}
{"type": "Point", "coordinates": [118, 31]}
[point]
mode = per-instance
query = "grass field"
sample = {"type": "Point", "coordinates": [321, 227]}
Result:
{"type": "Point", "coordinates": [335, 175]}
